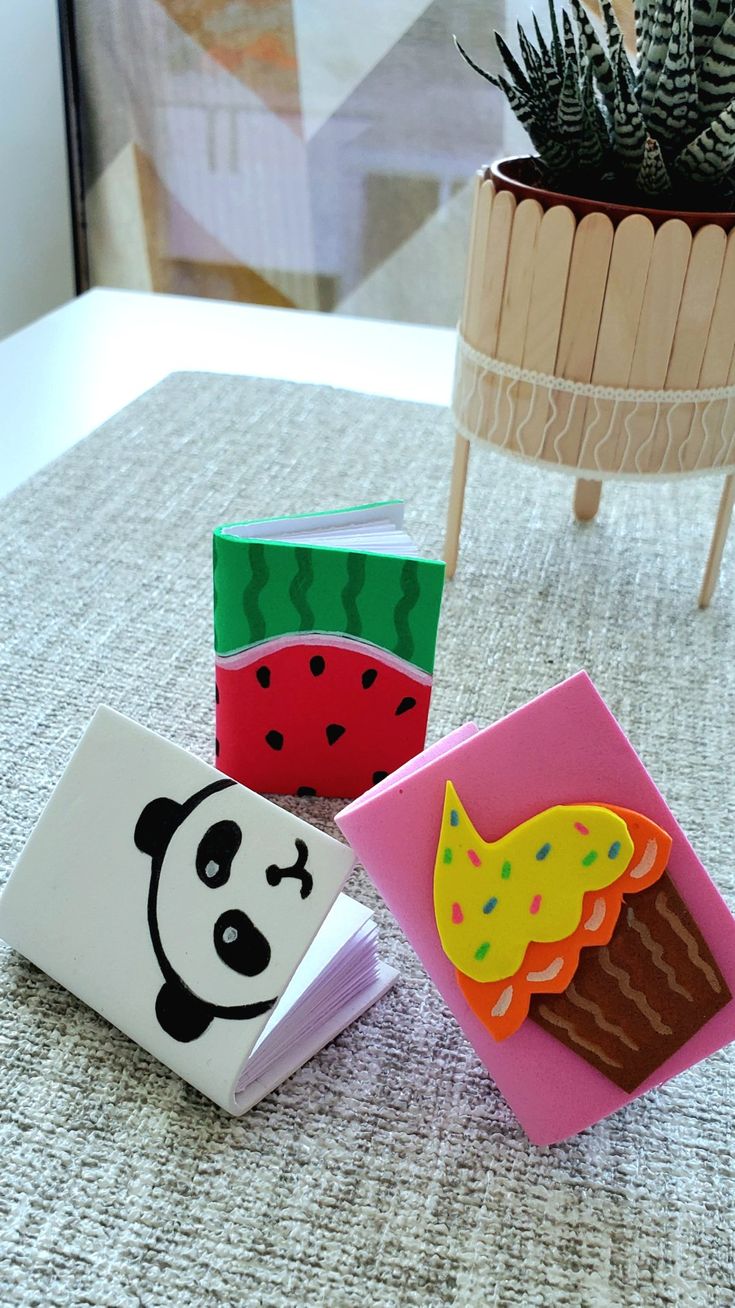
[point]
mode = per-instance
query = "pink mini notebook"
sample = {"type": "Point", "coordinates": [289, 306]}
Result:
{"type": "Point", "coordinates": [557, 905]}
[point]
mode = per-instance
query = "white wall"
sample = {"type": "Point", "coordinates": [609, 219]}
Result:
{"type": "Point", "coordinates": [36, 259]}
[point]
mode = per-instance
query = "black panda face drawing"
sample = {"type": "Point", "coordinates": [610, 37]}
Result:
{"type": "Point", "coordinates": [222, 889]}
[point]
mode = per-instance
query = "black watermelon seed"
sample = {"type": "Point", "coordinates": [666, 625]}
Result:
{"type": "Point", "coordinates": [368, 677]}
{"type": "Point", "coordinates": [264, 676]}
{"type": "Point", "coordinates": [379, 776]}
{"type": "Point", "coordinates": [216, 694]}
{"type": "Point", "coordinates": [334, 731]}
{"type": "Point", "coordinates": [408, 702]}
{"type": "Point", "coordinates": [306, 790]}
{"type": "Point", "coordinates": [216, 748]}
{"type": "Point", "coordinates": [274, 739]}
{"type": "Point", "coordinates": [317, 665]}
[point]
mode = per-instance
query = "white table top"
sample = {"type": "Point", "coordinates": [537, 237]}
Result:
{"type": "Point", "coordinates": [65, 374]}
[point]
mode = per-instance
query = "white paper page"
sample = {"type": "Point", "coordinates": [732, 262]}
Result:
{"type": "Point", "coordinates": [376, 529]}
{"type": "Point", "coordinates": [341, 923]}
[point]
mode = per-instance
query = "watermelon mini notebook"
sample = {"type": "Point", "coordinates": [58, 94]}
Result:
{"type": "Point", "coordinates": [558, 907]}
{"type": "Point", "coordinates": [199, 918]}
{"type": "Point", "coordinates": [324, 628]}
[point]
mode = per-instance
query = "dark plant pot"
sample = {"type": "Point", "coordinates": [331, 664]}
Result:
{"type": "Point", "coordinates": [520, 175]}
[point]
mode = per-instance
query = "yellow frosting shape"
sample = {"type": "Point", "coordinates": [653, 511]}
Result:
{"type": "Point", "coordinates": [491, 900]}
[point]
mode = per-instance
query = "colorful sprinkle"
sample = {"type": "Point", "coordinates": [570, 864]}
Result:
{"type": "Point", "coordinates": [542, 853]}
{"type": "Point", "coordinates": [589, 859]}
{"type": "Point", "coordinates": [490, 905]}
{"type": "Point", "coordinates": [474, 858]}
{"type": "Point", "coordinates": [457, 914]}
{"type": "Point", "coordinates": [535, 904]}
{"type": "Point", "coordinates": [505, 870]}
{"type": "Point", "coordinates": [447, 855]}
{"type": "Point", "coordinates": [454, 818]}
{"type": "Point", "coordinates": [481, 952]}
{"type": "Point", "coordinates": [581, 828]}
{"type": "Point", "coordinates": [614, 849]}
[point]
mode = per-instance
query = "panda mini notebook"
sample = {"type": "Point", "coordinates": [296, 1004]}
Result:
{"type": "Point", "coordinates": [199, 918]}
{"type": "Point", "coordinates": [324, 628]}
{"type": "Point", "coordinates": [557, 905]}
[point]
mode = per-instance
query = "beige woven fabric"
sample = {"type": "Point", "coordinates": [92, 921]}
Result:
{"type": "Point", "coordinates": [388, 1171]}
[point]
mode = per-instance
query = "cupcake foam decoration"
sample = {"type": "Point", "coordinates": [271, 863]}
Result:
{"type": "Point", "coordinates": [513, 915]}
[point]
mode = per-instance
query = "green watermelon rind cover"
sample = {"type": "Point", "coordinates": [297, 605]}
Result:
{"type": "Point", "coordinates": [268, 588]}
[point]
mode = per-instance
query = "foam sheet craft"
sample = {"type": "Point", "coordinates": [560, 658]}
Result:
{"type": "Point", "coordinates": [199, 918]}
{"type": "Point", "coordinates": [557, 905]}
{"type": "Point", "coordinates": [325, 628]}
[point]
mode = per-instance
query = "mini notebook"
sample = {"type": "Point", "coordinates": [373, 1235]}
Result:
{"type": "Point", "coordinates": [558, 907]}
{"type": "Point", "coordinates": [324, 629]}
{"type": "Point", "coordinates": [199, 918]}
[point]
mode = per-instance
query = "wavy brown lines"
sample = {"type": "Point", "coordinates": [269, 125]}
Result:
{"type": "Point", "coordinates": [656, 950]}
{"type": "Point", "coordinates": [549, 1016]}
{"type": "Point", "coordinates": [574, 997]}
{"type": "Point", "coordinates": [680, 930]}
{"type": "Point", "coordinates": [637, 996]}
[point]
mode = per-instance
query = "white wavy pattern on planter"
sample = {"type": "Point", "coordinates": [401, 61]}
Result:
{"type": "Point", "coordinates": [489, 395]}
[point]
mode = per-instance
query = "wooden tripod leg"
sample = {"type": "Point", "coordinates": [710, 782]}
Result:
{"type": "Point", "coordinates": [586, 498]}
{"type": "Point", "coordinates": [456, 503]}
{"type": "Point", "coordinates": [719, 536]}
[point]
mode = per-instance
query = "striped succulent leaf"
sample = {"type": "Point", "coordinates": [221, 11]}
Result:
{"type": "Point", "coordinates": [592, 53]}
{"type": "Point", "coordinates": [571, 54]}
{"type": "Point", "coordinates": [629, 129]}
{"type": "Point", "coordinates": [717, 77]}
{"type": "Point", "coordinates": [644, 12]}
{"type": "Point", "coordinates": [489, 77]}
{"type": "Point", "coordinates": [711, 155]}
{"type": "Point", "coordinates": [653, 176]}
{"type": "Point", "coordinates": [516, 72]}
{"type": "Point", "coordinates": [612, 28]}
{"type": "Point", "coordinates": [594, 148]}
{"type": "Point", "coordinates": [570, 114]}
{"type": "Point", "coordinates": [557, 49]}
{"type": "Point", "coordinates": [674, 114]}
{"type": "Point", "coordinates": [653, 58]}
{"type": "Point", "coordinates": [708, 17]}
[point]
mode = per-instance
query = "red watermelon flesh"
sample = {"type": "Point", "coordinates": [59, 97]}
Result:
{"type": "Point", "coordinates": [318, 715]}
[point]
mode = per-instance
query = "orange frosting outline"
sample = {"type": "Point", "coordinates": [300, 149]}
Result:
{"type": "Point", "coordinates": [483, 996]}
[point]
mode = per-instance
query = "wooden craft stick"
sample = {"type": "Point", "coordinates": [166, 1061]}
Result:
{"type": "Point", "coordinates": [667, 271]}
{"type": "Point", "coordinates": [705, 435]}
{"type": "Point", "coordinates": [724, 514]}
{"type": "Point", "coordinates": [621, 311]}
{"type": "Point", "coordinates": [495, 263]}
{"type": "Point", "coordinates": [485, 321]}
{"type": "Point", "coordinates": [515, 309]}
{"type": "Point", "coordinates": [468, 281]}
{"type": "Point", "coordinates": [690, 340]}
{"type": "Point", "coordinates": [550, 273]}
{"type": "Point", "coordinates": [456, 503]}
{"type": "Point", "coordinates": [578, 335]}
{"type": "Point", "coordinates": [474, 280]}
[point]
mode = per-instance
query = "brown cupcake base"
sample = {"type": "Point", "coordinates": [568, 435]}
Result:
{"type": "Point", "coordinates": [635, 1002]}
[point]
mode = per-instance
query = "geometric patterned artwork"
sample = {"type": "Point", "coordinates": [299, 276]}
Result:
{"type": "Point", "coordinates": [315, 153]}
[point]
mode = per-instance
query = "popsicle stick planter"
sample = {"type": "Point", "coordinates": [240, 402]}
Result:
{"type": "Point", "coordinates": [600, 346]}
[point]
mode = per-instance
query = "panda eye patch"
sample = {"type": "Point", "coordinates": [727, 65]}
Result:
{"type": "Point", "coordinates": [217, 849]}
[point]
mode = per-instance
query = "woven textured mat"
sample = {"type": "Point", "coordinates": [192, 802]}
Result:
{"type": "Point", "coordinates": [388, 1171]}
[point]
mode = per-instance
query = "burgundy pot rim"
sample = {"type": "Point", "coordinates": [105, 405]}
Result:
{"type": "Point", "coordinates": [507, 173]}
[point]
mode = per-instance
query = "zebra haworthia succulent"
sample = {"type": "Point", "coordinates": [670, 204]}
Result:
{"type": "Point", "coordinates": [657, 128]}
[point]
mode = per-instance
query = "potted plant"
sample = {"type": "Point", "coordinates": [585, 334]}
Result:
{"type": "Point", "coordinates": [598, 329]}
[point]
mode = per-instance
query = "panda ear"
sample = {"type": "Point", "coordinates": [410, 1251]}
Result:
{"type": "Point", "coordinates": [156, 825]}
{"type": "Point", "coordinates": [180, 1013]}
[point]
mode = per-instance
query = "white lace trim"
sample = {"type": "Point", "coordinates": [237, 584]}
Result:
{"type": "Point", "coordinates": [589, 430]}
